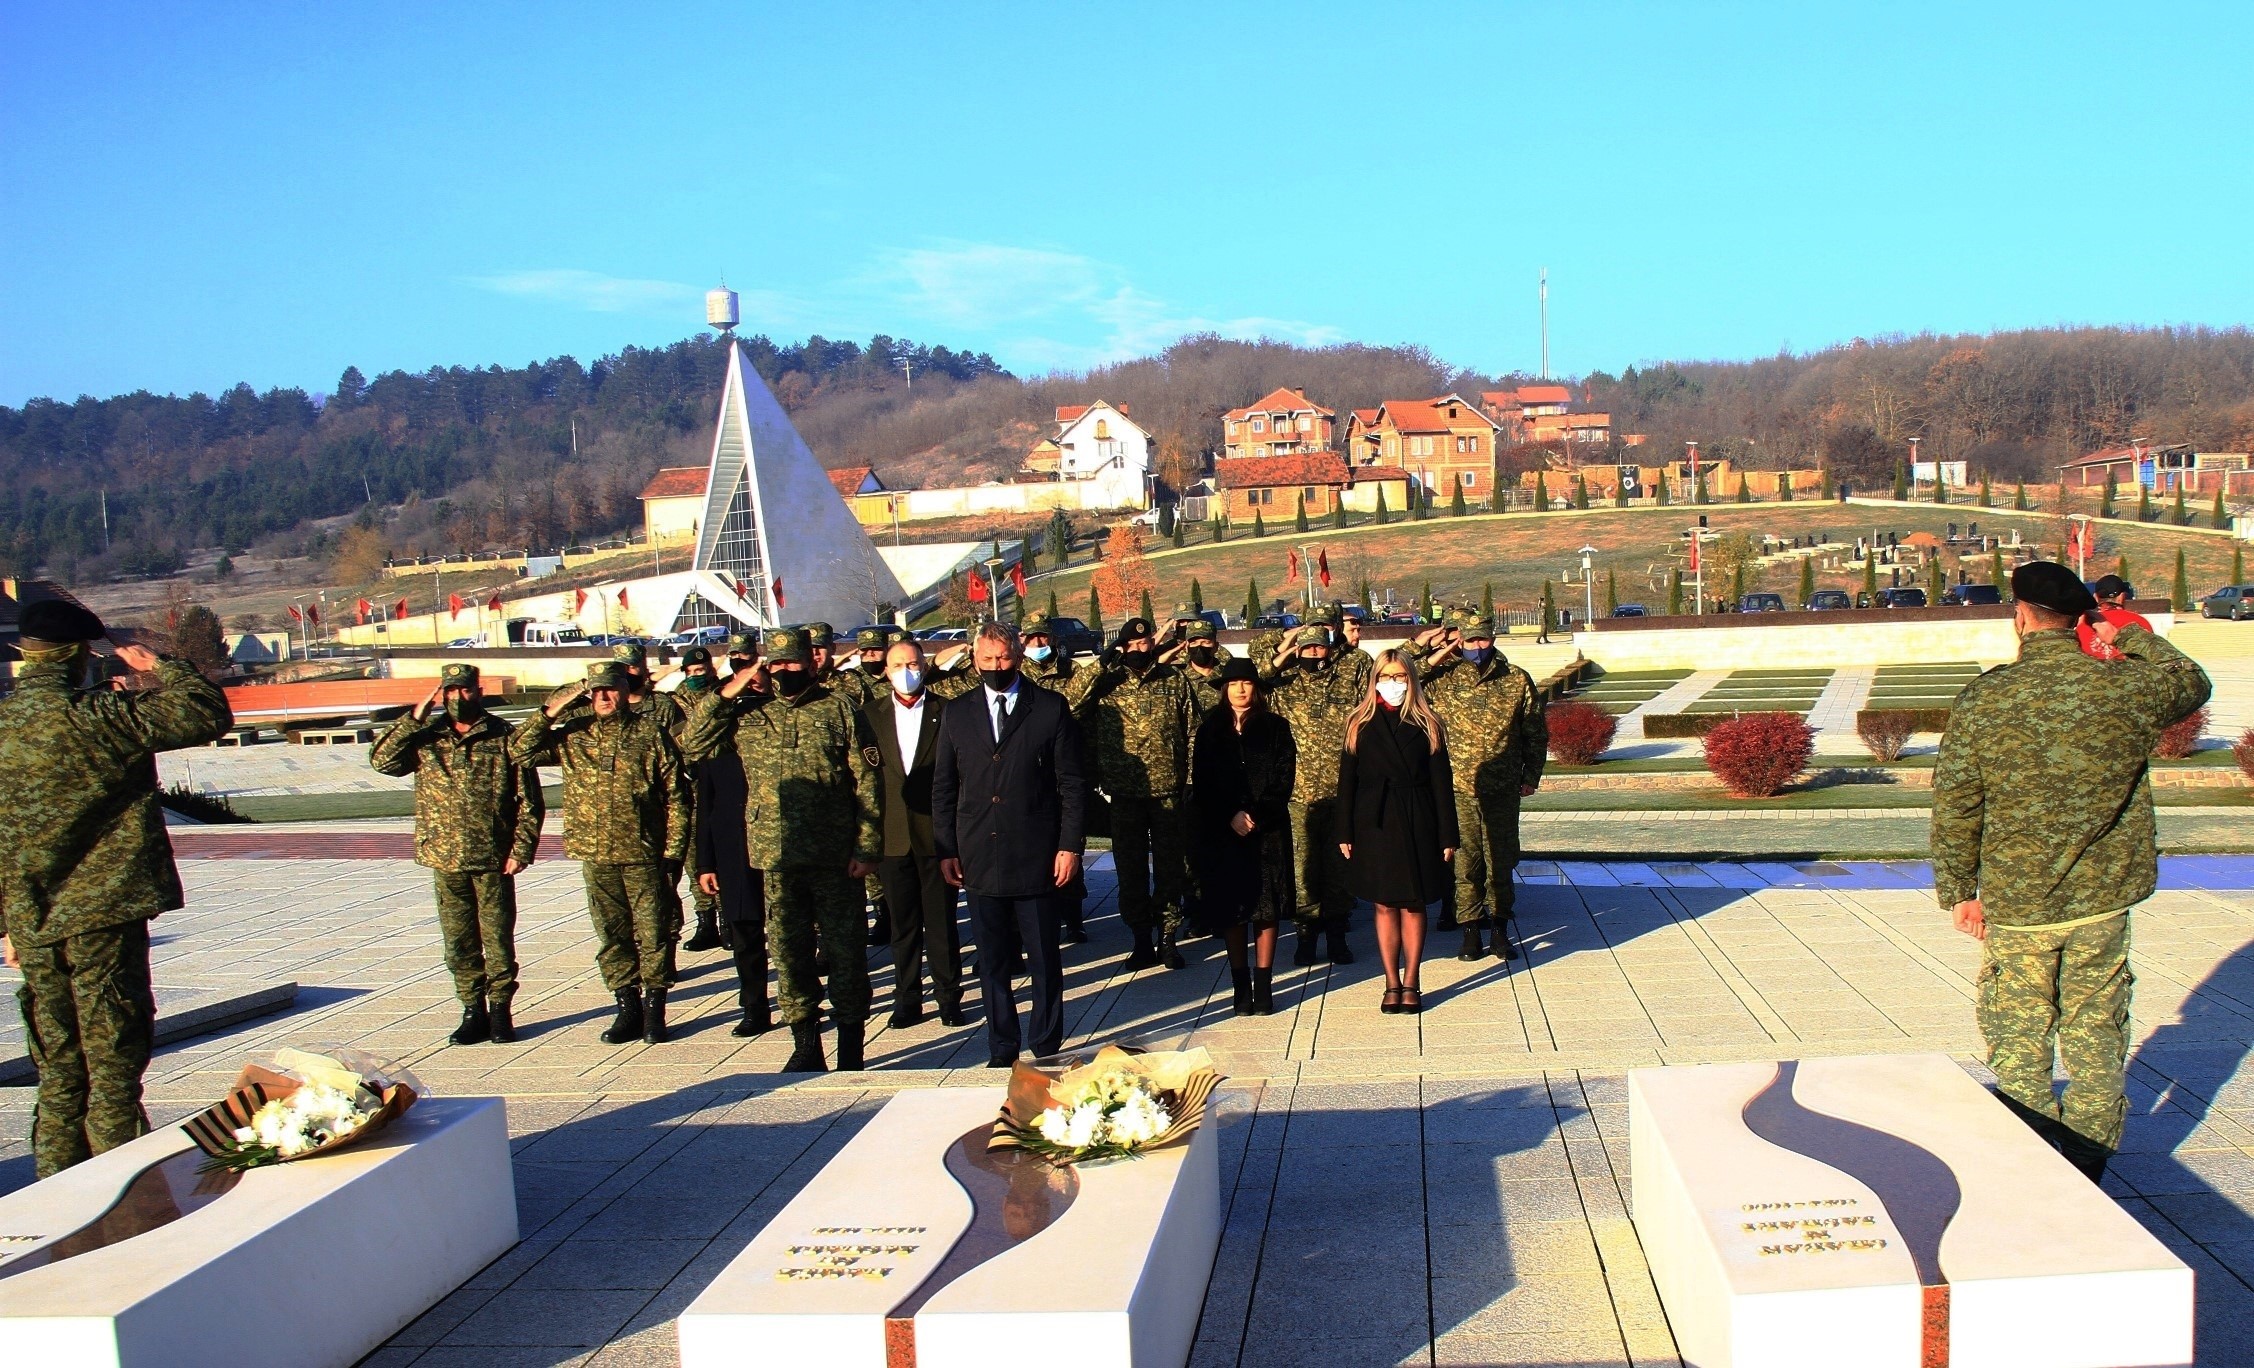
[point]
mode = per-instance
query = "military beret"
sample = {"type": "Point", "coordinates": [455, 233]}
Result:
{"type": "Point", "coordinates": [790, 646]}
{"type": "Point", "coordinates": [1476, 624]}
{"type": "Point", "coordinates": [696, 655]}
{"type": "Point", "coordinates": [819, 633]}
{"type": "Point", "coordinates": [57, 621]}
{"type": "Point", "coordinates": [458, 675]}
{"type": "Point", "coordinates": [1036, 625]}
{"type": "Point", "coordinates": [2047, 584]}
{"type": "Point", "coordinates": [1198, 629]}
{"type": "Point", "coordinates": [1236, 668]}
{"type": "Point", "coordinates": [1134, 627]}
{"type": "Point", "coordinates": [871, 639]}
{"type": "Point", "coordinates": [1310, 636]}
{"type": "Point", "coordinates": [606, 674]}
{"type": "Point", "coordinates": [743, 643]}
{"type": "Point", "coordinates": [628, 653]}
{"type": "Point", "coordinates": [2109, 585]}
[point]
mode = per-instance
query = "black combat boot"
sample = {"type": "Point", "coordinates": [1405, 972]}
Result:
{"type": "Point", "coordinates": [1168, 954]}
{"type": "Point", "coordinates": [1263, 992]}
{"type": "Point", "coordinates": [1145, 954]}
{"type": "Point", "coordinates": [806, 1048]}
{"type": "Point", "coordinates": [627, 1025]}
{"type": "Point", "coordinates": [849, 1046]}
{"type": "Point", "coordinates": [653, 1016]}
{"type": "Point", "coordinates": [1240, 987]}
{"type": "Point", "coordinates": [1474, 947]}
{"type": "Point", "coordinates": [1305, 953]}
{"type": "Point", "coordinates": [1506, 941]}
{"type": "Point", "coordinates": [1335, 937]}
{"type": "Point", "coordinates": [476, 1027]}
{"type": "Point", "coordinates": [504, 1029]}
{"type": "Point", "coordinates": [753, 1023]}
{"type": "Point", "coordinates": [708, 931]}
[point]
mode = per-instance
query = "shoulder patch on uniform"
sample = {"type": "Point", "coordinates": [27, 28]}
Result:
{"type": "Point", "coordinates": [872, 755]}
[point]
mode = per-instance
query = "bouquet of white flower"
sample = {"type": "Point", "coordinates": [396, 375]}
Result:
{"type": "Point", "coordinates": [1115, 1106]}
{"type": "Point", "coordinates": [303, 1104]}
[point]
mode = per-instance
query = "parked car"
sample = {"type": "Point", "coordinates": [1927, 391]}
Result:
{"type": "Point", "coordinates": [1400, 620]}
{"type": "Point", "coordinates": [1972, 595]}
{"type": "Point", "coordinates": [1355, 612]}
{"type": "Point", "coordinates": [943, 636]}
{"type": "Point", "coordinates": [1147, 518]}
{"type": "Point", "coordinates": [1829, 600]}
{"type": "Point", "coordinates": [1279, 621]}
{"type": "Point", "coordinates": [617, 639]}
{"type": "Point", "coordinates": [1071, 636]}
{"type": "Point", "coordinates": [711, 635]}
{"type": "Point", "coordinates": [2233, 601]}
{"type": "Point", "coordinates": [1907, 596]}
{"type": "Point", "coordinates": [1630, 610]}
{"type": "Point", "coordinates": [1761, 603]}
{"type": "Point", "coordinates": [465, 643]}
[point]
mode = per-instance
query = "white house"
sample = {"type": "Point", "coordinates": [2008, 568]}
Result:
{"type": "Point", "coordinates": [1098, 442]}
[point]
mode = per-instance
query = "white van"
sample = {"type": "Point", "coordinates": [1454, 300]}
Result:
{"type": "Point", "coordinates": [551, 634]}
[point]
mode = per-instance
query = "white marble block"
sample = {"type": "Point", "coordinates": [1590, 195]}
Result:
{"type": "Point", "coordinates": [304, 1265]}
{"type": "Point", "coordinates": [1874, 1211]}
{"type": "Point", "coordinates": [843, 1275]}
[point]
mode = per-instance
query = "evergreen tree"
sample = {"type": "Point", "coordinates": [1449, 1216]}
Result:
{"type": "Point", "coordinates": [1338, 511]}
{"type": "Point", "coordinates": [1299, 517]}
{"type": "Point", "coordinates": [1259, 524]}
{"type": "Point", "coordinates": [1166, 521]}
{"type": "Point", "coordinates": [1029, 556]}
{"type": "Point", "coordinates": [2121, 567]}
{"type": "Point", "coordinates": [1148, 614]}
{"type": "Point", "coordinates": [1418, 499]}
{"type": "Point", "coordinates": [1611, 592]}
{"type": "Point", "coordinates": [1698, 495]}
{"type": "Point", "coordinates": [1901, 484]}
{"type": "Point", "coordinates": [1181, 532]}
{"type": "Point", "coordinates": [1807, 579]}
{"type": "Point", "coordinates": [2238, 563]}
{"type": "Point", "coordinates": [2019, 500]}
{"type": "Point", "coordinates": [2182, 585]}
{"type": "Point", "coordinates": [1095, 611]}
{"type": "Point", "coordinates": [1744, 488]}
{"type": "Point", "coordinates": [1456, 507]}
{"type": "Point", "coordinates": [1940, 485]}
{"type": "Point", "coordinates": [1619, 493]}
{"type": "Point", "coordinates": [1996, 575]}
{"type": "Point", "coordinates": [1251, 601]}
{"type": "Point", "coordinates": [1663, 497]}
{"type": "Point", "coordinates": [1197, 596]}
{"type": "Point", "coordinates": [1674, 593]}
{"type": "Point", "coordinates": [1541, 492]}
{"type": "Point", "coordinates": [1362, 591]}
{"type": "Point", "coordinates": [1986, 500]}
{"type": "Point", "coordinates": [1580, 491]}
{"type": "Point", "coordinates": [1383, 517]}
{"type": "Point", "coordinates": [1549, 606]}
{"type": "Point", "coordinates": [1487, 598]}
{"type": "Point", "coordinates": [2144, 504]}
{"type": "Point", "coordinates": [2105, 509]}
{"type": "Point", "coordinates": [1830, 490]}
{"type": "Point", "coordinates": [1221, 528]}
{"type": "Point", "coordinates": [1784, 486]}
{"type": "Point", "coordinates": [1060, 538]}
{"type": "Point", "coordinates": [1936, 579]}
{"type": "Point", "coordinates": [1053, 612]}
{"type": "Point", "coordinates": [226, 565]}
{"type": "Point", "coordinates": [1424, 604]}
{"type": "Point", "coordinates": [1737, 583]}
{"type": "Point", "coordinates": [1870, 578]}
{"type": "Point", "coordinates": [2219, 518]}
{"type": "Point", "coordinates": [2178, 517]}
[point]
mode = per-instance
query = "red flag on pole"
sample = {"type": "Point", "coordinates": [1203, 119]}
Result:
{"type": "Point", "coordinates": [296, 614]}
{"type": "Point", "coordinates": [578, 601]}
{"type": "Point", "coordinates": [977, 588]}
{"type": "Point", "coordinates": [1291, 570]}
{"type": "Point", "coordinates": [493, 604]}
{"type": "Point", "coordinates": [399, 609]}
{"type": "Point", "coordinates": [776, 588]}
{"type": "Point", "coordinates": [313, 614]}
{"type": "Point", "coordinates": [1017, 579]}
{"type": "Point", "coordinates": [454, 605]}
{"type": "Point", "coordinates": [1693, 566]}
{"type": "Point", "coordinates": [361, 609]}
{"type": "Point", "coordinates": [1322, 567]}
{"type": "Point", "coordinates": [622, 596]}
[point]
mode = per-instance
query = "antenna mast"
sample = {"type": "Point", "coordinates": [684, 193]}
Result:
{"type": "Point", "coordinates": [1545, 297]}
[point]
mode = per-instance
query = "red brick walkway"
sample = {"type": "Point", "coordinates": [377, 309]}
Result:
{"type": "Point", "coordinates": [256, 843]}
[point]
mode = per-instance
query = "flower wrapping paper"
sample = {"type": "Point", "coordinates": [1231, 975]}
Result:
{"type": "Point", "coordinates": [1185, 1078]}
{"type": "Point", "coordinates": [213, 1129]}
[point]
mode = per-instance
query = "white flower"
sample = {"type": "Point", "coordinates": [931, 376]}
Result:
{"type": "Point", "coordinates": [1053, 1125]}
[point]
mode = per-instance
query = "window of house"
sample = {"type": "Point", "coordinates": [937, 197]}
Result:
{"type": "Point", "coordinates": [1470, 479]}
{"type": "Point", "coordinates": [1259, 425]}
{"type": "Point", "coordinates": [1311, 495]}
{"type": "Point", "coordinates": [1306, 422]}
{"type": "Point", "coordinates": [1232, 427]}
{"type": "Point", "coordinates": [1103, 430]}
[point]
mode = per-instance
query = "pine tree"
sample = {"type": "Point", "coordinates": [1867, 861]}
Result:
{"type": "Point", "coordinates": [1053, 610]}
{"type": "Point", "coordinates": [1744, 488]}
{"type": "Point", "coordinates": [2019, 500]}
{"type": "Point", "coordinates": [2182, 586]}
{"type": "Point", "coordinates": [2121, 567]}
{"type": "Point", "coordinates": [1611, 593]}
{"type": "Point", "coordinates": [1936, 580]}
{"type": "Point", "coordinates": [1807, 579]}
{"type": "Point", "coordinates": [2177, 517]}
{"type": "Point", "coordinates": [1456, 507]}
{"type": "Point", "coordinates": [1986, 499]}
{"type": "Point", "coordinates": [1541, 492]}
{"type": "Point", "coordinates": [2218, 519]}
{"type": "Point", "coordinates": [1996, 574]}
{"type": "Point", "coordinates": [1221, 528]}
{"type": "Point", "coordinates": [1181, 532]}
{"type": "Point", "coordinates": [1784, 486]}
{"type": "Point", "coordinates": [1383, 517]}
{"type": "Point", "coordinates": [1549, 606]}
{"type": "Point", "coordinates": [1487, 598]}
{"type": "Point", "coordinates": [1830, 490]}
{"type": "Point", "coordinates": [2105, 509]}
{"type": "Point", "coordinates": [1940, 485]}
{"type": "Point", "coordinates": [2238, 563]}
{"type": "Point", "coordinates": [1252, 603]}
{"type": "Point", "coordinates": [1619, 493]}
{"type": "Point", "coordinates": [1259, 524]}
{"type": "Point", "coordinates": [1338, 512]}
{"type": "Point", "coordinates": [1424, 604]}
{"type": "Point", "coordinates": [1737, 583]}
{"type": "Point", "coordinates": [1060, 538]}
{"type": "Point", "coordinates": [1663, 497]}
{"type": "Point", "coordinates": [1362, 591]}
{"type": "Point", "coordinates": [1418, 499]}
{"type": "Point", "coordinates": [1197, 596]}
{"type": "Point", "coordinates": [1580, 491]}
{"type": "Point", "coordinates": [1674, 593]}
{"type": "Point", "coordinates": [1299, 517]}
{"type": "Point", "coordinates": [1095, 611]}
{"type": "Point", "coordinates": [1901, 484]}
{"type": "Point", "coordinates": [1148, 614]}
{"type": "Point", "coordinates": [2144, 504]}
{"type": "Point", "coordinates": [1166, 521]}
{"type": "Point", "coordinates": [1698, 495]}
{"type": "Point", "coordinates": [1870, 578]}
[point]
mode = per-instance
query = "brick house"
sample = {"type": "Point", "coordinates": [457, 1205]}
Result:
{"type": "Point", "coordinates": [1544, 413]}
{"type": "Point", "coordinates": [1281, 423]}
{"type": "Point", "coordinates": [1272, 486]}
{"type": "Point", "coordinates": [1444, 443]}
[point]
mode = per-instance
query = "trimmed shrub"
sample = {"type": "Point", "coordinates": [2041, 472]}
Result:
{"type": "Point", "coordinates": [1757, 754]}
{"type": "Point", "coordinates": [1579, 732]}
{"type": "Point", "coordinates": [203, 807]}
{"type": "Point", "coordinates": [1918, 719]}
{"type": "Point", "coordinates": [1679, 726]}
{"type": "Point", "coordinates": [1885, 733]}
{"type": "Point", "coordinates": [2182, 738]}
{"type": "Point", "coordinates": [2243, 751]}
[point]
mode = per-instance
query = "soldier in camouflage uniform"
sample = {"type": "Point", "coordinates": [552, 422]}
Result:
{"type": "Point", "coordinates": [626, 820]}
{"type": "Point", "coordinates": [698, 680]}
{"type": "Point", "coordinates": [859, 679]}
{"type": "Point", "coordinates": [812, 825]}
{"type": "Point", "coordinates": [1200, 655]}
{"type": "Point", "coordinates": [2043, 842]}
{"type": "Point", "coordinates": [1059, 674]}
{"type": "Point", "coordinates": [1497, 745]}
{"type": "Point", "coordinates": [1359, 665]}
{"type": "Point", "coordinates": [1315, 697]}
{"type": "Point", "coordinates": [665, 710]}
{"type": "Point", "coordinates": [819, 638]}
{"type": "Point", "coordinates": [1139, 717]}
{"type": "Point", "coordinates": [87, 866]}
{"type": "Point", "coordinates": [477, 824]}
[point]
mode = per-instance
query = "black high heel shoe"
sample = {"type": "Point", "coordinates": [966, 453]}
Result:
{"type": "Point", "coordinates": [1391, 1002]}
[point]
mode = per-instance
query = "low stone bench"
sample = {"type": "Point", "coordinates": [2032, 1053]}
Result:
{"type": "Point", "coordinates": [304, 1265]}
{"type": "Point", "coordinates": [915, 1246]}
{"type": "Point", "coordinates": [334, 736]}
{"type": "Point", "coordinates": [1884, 1210]}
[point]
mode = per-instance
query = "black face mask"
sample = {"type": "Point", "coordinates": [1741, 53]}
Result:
{"type": "Point", "coordinates": [874, 669]}
{"type": "Point", "coordinates": [1311, 664]}
{"type": "Point", "coordinates": [1201, 655]}
{"type": "Point", "coordinates": [464, 709]}
{"type": "Point", "coordinates": [1138, 658]}
{"type": "Point", "coordinates": [790, 683]}
{"type": "Point", "coordinates": [999, 680]}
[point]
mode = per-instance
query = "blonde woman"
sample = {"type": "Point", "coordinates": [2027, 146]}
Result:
{"type": "Point", "coordinates": [1396, 818]}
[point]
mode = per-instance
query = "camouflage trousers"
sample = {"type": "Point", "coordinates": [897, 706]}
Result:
{"type": "Point", "coordinates": [633, 922]}
{"type": "Point", "coordinates": [2039, 985]}
{"type": "Point", "coordinates": [477, 928]}
{"type": "Point", "coordinates": [1484, 892]}
{"type": "Point", "coordinates": [1323, 896]}
{"type": "Point", "coordinates": [89, 1017]}
{"type": "Point", "coordinates": [809, 905]}
{"type": "Point", "coordinates": [1150, 850]}
{"type": "Point", "coordinates": [707, 906]}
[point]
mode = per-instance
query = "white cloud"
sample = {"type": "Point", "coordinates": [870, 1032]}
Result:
{"type": "Point", "coordinates": [594, 291]}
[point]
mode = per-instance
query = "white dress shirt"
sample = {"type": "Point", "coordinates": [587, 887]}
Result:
{"type": "Point", "coordinates": [908, 726]}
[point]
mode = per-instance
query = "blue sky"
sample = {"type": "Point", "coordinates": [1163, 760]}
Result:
{"type": "Point", "coordinates": [195, 195]}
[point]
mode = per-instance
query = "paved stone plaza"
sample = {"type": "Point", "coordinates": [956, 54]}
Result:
{"type": "Point", "coordinates": [1443, 1189]}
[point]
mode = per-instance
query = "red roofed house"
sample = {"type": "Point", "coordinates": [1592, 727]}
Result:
{"type": "Point", "coordinates": [852, 480]}
{"type": "Point", "coordinates": [1542, 413]}
{"type": "Point", "coordinates": [1445, 443]}
{"type": "Point", "coordinates": [1272, 486]}
{"type": "Point", "coordinates": [1281, 423]}
{"type": "Point", "coordinates": [673, 502]}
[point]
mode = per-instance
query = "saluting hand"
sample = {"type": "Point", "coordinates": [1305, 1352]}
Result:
{"type": "Point", "coordinates": [430, 700]}
{"type": "Point", "coordinates": [572, 694]}
{"type": "Point", "coordinates": [752, 676]}
{"type": "Point", "coordinates": [140, 658]}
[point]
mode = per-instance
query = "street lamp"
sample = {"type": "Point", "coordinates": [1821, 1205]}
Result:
{"type": "Point", "coordinates": [994, 586]}
{"type": "Point", "coordinates": [1588, 586]}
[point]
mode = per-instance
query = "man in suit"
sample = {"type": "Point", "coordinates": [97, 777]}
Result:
{"type": "Point", "coordinates": [918, 901]}
{"type": "Point", "coordinates": [1007, 798]}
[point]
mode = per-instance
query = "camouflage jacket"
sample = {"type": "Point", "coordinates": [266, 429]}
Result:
{"type": "Point", "coordinates": [626, 792]}
{"type": "Point", "coordinates": [665, 710]}
{"type": "Point", "coordinates": [1316, 704]}
{"type": "Point", "coordinates": [1497, 739]}
{"type": "Point", "coordinates": [82, 831]}
{"type": "Point", "coordinates": [856, 685]}
{"type": "Point", "coordinates": [812, 770]}
{"type": "Point", "coordinates": [476, 808]}
{"type": "Point", "coordinates": [1059, 675]}
{"type": "Point", "coordinates": [2041, 805]}
{"type": "Point", "coordinates": [1205, 686]}
{"type": "Point", "coordinates": [1138, 728]}
{"type": "Point", "coordinates": [1358, 666]}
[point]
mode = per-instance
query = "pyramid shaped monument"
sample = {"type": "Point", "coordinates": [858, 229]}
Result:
{"type": "Point", "coordinates": [774, 525]}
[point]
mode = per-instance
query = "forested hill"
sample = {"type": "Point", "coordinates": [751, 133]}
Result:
{"type": "Point", "coordinates": [180, 473]}
{"type": "Point", "coordinates": [470, 458]}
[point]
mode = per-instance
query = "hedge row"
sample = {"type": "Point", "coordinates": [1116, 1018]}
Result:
{"type": "Point", "coordinates": [1920, 719]}
{"type": "Point", "coordinates": [1675, 726]}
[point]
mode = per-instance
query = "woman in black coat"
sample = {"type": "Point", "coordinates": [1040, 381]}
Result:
{"type": "Point", "coordinates": [1396, 819]}
{"type": "Point", "coordinates": [1240, 800]}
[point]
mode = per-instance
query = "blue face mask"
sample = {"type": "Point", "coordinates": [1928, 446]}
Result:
{"type": "Point", "coordinates": [1038, 652]}
{"type": "Point", "coordinates": [1479, 655]}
